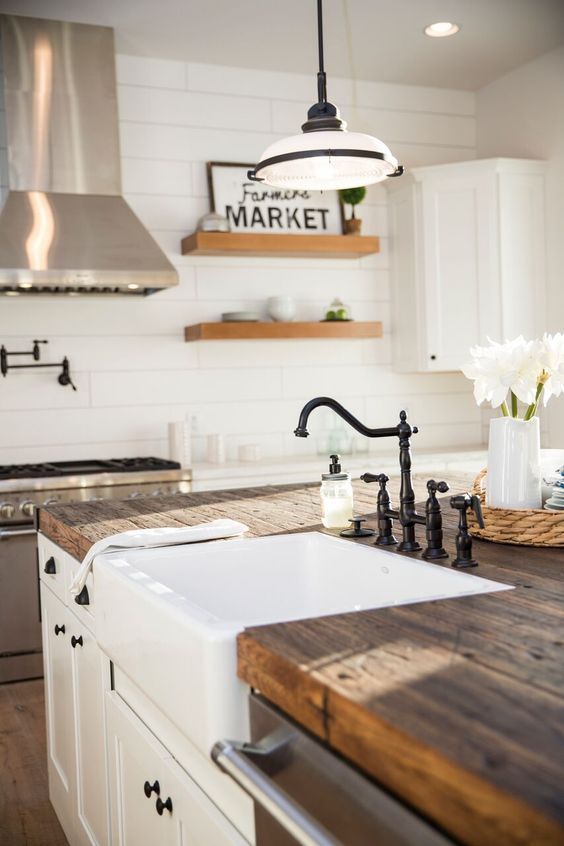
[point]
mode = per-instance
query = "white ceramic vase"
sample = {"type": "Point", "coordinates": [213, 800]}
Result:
{"type": "Point", "coordinates": [514, 475]}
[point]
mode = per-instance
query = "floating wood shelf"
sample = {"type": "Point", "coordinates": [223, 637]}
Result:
{"type": "Point", "coordinates": [250, 244]}
{"type": "Point", "coordinates": [242, 330]}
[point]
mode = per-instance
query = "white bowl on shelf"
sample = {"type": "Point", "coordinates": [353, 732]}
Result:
{"type": "Point", "coordinates": [281, 309]}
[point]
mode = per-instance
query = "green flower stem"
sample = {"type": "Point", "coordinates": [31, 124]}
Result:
{"type": "Point", "coordinates": [514, 405]}
{"type": "Point", "coordinates": [504, 409]}
{"type": "Point", "coordinates": [532, 409]}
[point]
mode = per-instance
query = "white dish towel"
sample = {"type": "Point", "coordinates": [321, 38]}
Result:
{"type": "Point", "coordinates": [165, 536]}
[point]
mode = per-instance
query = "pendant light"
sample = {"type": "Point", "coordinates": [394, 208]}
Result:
{"type": "Point", "coordinates": [326, 156]}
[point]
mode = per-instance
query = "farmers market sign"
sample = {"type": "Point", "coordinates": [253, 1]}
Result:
{"type": "Point", "coordinates": [253, 207]}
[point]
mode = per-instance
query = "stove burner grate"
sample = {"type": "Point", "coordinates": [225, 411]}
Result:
{"type": "Point", "coordinates": [81, 468]}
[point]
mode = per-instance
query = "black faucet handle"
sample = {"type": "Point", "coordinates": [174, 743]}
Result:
{"type": "Point", "coordinates": [381, 478]}
{"type": "Point", "coordinates": [476, 507]}
{"type": "Point", "coordinates": [433, 487]}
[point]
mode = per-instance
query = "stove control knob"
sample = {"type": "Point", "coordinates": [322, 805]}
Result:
{"type": "Point", "coordinates": [7, 510]}
{"type": "Point", "coordinates": [52, 501]}
{"type": "Point", "coordinates": [27, 508]}
{"type": "Point", "coordinates": [134, 495]}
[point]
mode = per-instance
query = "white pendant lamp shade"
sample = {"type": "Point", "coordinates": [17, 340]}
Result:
{"type": "Point", "coordinates": [326, 156]}
{"type": "Point", "coordinates": [325, 160]}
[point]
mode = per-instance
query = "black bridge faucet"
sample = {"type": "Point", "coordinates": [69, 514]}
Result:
{"type": "Point", "coordinates": [406, 514]}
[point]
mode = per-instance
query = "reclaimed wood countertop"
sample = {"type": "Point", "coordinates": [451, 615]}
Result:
{"type": "Point", "coordinates": [456, 706]}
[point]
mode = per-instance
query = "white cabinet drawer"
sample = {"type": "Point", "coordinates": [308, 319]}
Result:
{"type": "Point", "coordinates": [176, 812]}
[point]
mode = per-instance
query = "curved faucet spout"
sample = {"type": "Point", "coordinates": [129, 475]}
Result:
{"type": "Point", "coordinates": [302, 432]}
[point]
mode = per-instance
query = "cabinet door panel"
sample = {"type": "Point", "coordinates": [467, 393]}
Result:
{"type": "Point", "coordinates": [92, 802]}
{"type": "Point", "coordinates": [59, 707]}
{"type": "Point", "coordinates": [135, 757]}
{"type": "Point", "coordinates": [453, 238]}
{"type": "Point", "coordinates": [199, 822]}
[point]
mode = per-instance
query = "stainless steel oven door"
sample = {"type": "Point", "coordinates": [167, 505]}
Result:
{"type": "Point", "coordinates": [20, 623]}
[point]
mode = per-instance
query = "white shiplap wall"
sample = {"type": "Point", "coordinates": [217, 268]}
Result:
{"type": "Point", "coordinates": [133, 370]}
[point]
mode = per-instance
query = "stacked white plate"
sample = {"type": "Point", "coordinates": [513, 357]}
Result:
{"type": "Point", "coordinates": [556, 501]}
{"type": "Point", "coordinates": [240, 317]}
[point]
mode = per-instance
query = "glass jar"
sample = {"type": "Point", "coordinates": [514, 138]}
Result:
{"type": "Point", "coordinates": [336, 496]}
{"type": "Point", "coordinates": [337, 310]}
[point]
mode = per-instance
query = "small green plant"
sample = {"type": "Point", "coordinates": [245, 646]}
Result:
{"type": "Point", "coordinates": [352, 197]}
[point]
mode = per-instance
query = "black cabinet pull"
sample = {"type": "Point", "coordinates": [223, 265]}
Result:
{"type": "Point", "coordinates": [160, 805]}
{"type": "Point", "coordinates": [149, 788]}
{"type": "Point", "coordinates": [59, 629]}
{"type": "Point", "coordinates": [50, 566]}
{"type": "Point", "coordinates": [83, 598]}
{"type": "Point", "coordinates": [76, 641]}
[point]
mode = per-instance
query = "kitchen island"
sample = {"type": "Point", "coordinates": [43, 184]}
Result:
{"type": "Point", "coordinates": [456, 707]}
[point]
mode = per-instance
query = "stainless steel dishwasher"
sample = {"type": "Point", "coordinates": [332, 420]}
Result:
{"type": "Point", "coordinates": [305, 794]}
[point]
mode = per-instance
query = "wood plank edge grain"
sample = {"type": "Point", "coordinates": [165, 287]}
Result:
{"type": "Point", "coordinates": [283, 683]}
{"type": "Point", "coordinates": [431, 783]}
{"type": "Point", "coordinates": [67, 537]}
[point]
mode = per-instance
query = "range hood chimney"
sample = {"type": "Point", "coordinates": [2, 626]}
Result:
{"type": "Point", "coordinates": [64, 226]}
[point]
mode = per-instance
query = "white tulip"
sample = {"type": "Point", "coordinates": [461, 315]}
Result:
{"type": "Point", "coordinates": [552, 364]}
{"type": "Point", "coordinates": [500, 368]}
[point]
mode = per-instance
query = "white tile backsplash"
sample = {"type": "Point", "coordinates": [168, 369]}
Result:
{"type": "Point", "coordinates": [154, 176]}
{"type": "Point", "coordinates": [190, 108]}
{"type": "Point", "coordinates": [133, 370]}
{"type": "Point", "coordinates": [158, 73]}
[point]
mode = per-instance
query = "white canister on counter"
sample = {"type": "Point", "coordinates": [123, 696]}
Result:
{"type": "Point", "coordinates": [215, 451]}
{"type": "Point", "coordinates": [180, 443]}
{"type": "Point", "coordinates": [249, 452]}
{"type": "Point", "coordinates": [336, 496]}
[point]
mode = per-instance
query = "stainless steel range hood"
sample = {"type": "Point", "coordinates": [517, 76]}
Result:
{"type": "Point", "coordinates": [64, 226]}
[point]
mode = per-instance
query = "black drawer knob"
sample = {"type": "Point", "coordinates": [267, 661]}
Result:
{"type": "Point", "coordinates": [149, 788]}
{"type": "Point", "coordinates": [59, 630]}
{"type": "Point", "coordinates": [76, 641]}
{"type": "Point", "coordinates": [50, 566]}
{"type": "Point", "coordinates": [161, 806]}
{"type": "Point", "coordinates": [83, 597]}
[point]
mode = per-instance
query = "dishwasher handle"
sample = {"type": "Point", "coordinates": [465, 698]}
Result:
{"type": "Point", "coordinates": [232, 758]}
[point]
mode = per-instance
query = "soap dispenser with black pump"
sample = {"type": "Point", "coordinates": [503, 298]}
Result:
{"type": "Point", "coordinates": [336, 496]}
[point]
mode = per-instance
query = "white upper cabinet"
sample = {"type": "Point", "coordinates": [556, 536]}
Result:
{"type": "Point", "coordinates": [467, 254]}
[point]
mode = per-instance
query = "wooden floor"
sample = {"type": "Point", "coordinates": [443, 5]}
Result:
{"type": "Point", "coordinates": [26, 815]}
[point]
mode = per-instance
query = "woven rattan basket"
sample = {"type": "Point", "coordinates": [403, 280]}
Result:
{"type": "Point", "coordinates": [530, 527]}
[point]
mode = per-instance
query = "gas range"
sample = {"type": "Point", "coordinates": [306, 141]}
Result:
{"type": "Point", "coordinates": [24, 487]}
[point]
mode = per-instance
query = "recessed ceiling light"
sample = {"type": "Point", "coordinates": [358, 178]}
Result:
{"type": "Point", "coordinates": [441, 29]}
{"type": "Point", "coordinates": [132, 286]}
{"type": "Point", "coordinates": [12, 293]}
{"type": "Point", "coordinates": [25, 284]}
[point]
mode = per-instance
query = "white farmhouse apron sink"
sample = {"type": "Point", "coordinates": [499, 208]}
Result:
{"type": "Point", "coordinates": [169, 617]}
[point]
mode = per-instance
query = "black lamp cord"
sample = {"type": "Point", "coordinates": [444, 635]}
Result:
{"type": "Point", "coordinates": [321, 77]}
